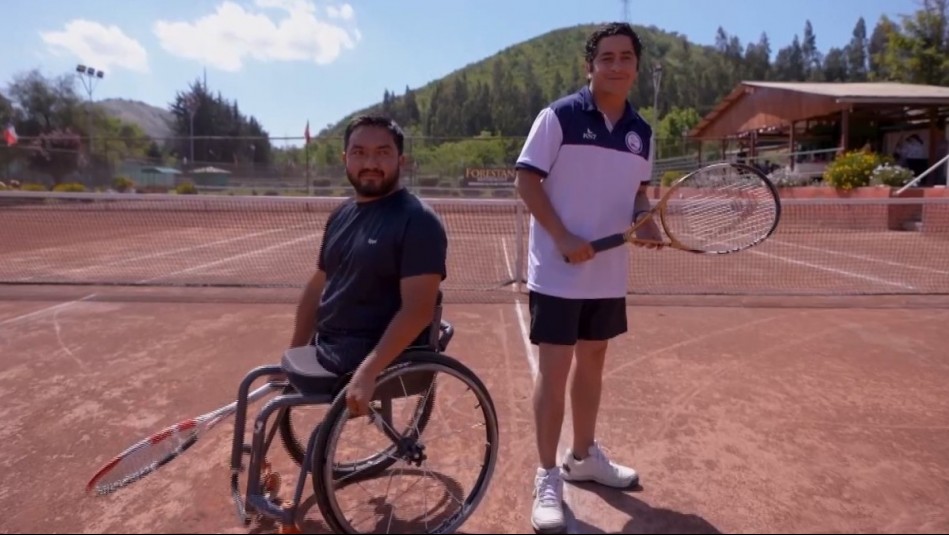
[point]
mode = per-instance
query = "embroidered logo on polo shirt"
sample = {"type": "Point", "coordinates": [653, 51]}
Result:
{"type": "Point", "coordinates": [634, 143]}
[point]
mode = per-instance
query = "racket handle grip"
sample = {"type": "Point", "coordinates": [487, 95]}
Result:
{"type": "Point", "coordinates": [605, 244]}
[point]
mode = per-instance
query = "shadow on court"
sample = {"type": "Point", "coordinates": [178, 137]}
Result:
{"type": "Point", "coordinates": [642, 517]}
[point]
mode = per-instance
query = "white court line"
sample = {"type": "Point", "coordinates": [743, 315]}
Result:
{"type": "Point", "coordinates": [209, 264]}
{"type": "Point", "coordinates": [185, 249]}
{"type": "Point", "coordinates": [861, 257]}
{"type": "Point", "coordinates": [532, 359]}
{"type": "Point", "coordinates": [229, 258]}
{"type": "Point", "coordinates": [843, 272]}
{"type": "Point", "coordinates": [521, 313]}
{"type": "Point", "coordinates": [44, 310]}
{"type": "Point", "coordinates": [98, 266]}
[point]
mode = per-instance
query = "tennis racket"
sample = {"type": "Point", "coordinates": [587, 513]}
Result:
{"type": "Point", "coordinates": [718, 209]}
{"type": "Point", "coordinates": [150, 454]}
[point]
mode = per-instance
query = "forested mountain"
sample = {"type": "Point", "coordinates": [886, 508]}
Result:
{"type": "Point", "coordinates": [501, 94]}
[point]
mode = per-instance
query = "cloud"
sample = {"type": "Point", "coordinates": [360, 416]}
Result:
{"type": "Point", "coordinates": [232, 34]}
{"type": "Point", "coordinates": [95, 44]}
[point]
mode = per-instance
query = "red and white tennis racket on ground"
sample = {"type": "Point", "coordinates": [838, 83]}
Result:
{"type": "Point", "coordinates": [150, 454]}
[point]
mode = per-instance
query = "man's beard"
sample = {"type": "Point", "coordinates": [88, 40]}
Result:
{"type": "Point", "coordinates": [374, 189]}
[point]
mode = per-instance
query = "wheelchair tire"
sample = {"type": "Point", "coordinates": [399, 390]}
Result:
{"type": "Point", "coordinates": [296, 447]}
{"type": "Point", "coordinates": [323, 479]}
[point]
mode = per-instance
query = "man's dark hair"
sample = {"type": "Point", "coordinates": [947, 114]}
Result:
{"type": "Point", "coordinates": [613, 28]}
{"type": "Point", "coordinates": [376, 120]}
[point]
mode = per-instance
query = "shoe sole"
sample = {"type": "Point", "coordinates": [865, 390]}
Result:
{"type": "Point", "coordinates": [553, 529]}
{"type": "Point", "coordinates": [632, 484]}
{"type": "Point", "coordinates": [547, 531]}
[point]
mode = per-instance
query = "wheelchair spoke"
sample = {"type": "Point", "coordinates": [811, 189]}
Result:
{"type": "Point", "coordinates": [402, 464]}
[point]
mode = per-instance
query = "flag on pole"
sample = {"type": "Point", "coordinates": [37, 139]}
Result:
{"type": "Point", "coordinates": [9, 135]}
{"type": "Point", "coordinates": [306, 133]}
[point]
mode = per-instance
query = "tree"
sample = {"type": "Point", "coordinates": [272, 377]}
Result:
{"type": "Point", "coordinates": [835, 66]}
{"type": "Point", "coordinates": [56, 153]}
{"type": "Point", "coordinates": [789, 65]}
{"type": "Point", "coordinates": [758, 59]}
{"type": "Point", "coordinates": [876, 49]}
{"type": "Point", "coordinates": [221, 132]}
{"type": "Point", "coordinates": [856, 52]}
{"type": "Point", "coordinates": [919, 51]}
{"type": "Point", "coordinates": [810, 56]}
{"type": "Point", "coordinates": [45, 104]}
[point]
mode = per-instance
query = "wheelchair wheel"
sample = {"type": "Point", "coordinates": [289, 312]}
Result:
{"type": "Point", "coordinates": [416, 463]}
{"type": "Point", "coordinates": [295, 443]}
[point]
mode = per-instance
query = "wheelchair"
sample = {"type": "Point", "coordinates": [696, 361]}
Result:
{"type": "Point", "coordinates": [303, 382]}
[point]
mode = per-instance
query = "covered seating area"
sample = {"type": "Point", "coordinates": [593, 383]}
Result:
{"type": "Point", "coordinates": [802, 126]}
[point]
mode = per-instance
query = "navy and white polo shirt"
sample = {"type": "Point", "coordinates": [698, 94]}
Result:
{"type": "Point", "coordinates": [592, 171]}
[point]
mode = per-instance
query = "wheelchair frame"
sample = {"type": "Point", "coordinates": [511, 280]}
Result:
{"type": "Point", "coordinates": [257, 500]}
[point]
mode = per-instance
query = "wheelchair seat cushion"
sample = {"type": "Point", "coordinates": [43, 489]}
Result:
{"type": "Point", "coordinates": [306, 374]}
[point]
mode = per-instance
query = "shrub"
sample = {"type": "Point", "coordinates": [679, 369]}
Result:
{"type": "Point", "coordinates": [186, 188]}
{"type": "Point", "coordinates": [72, 187]}
{"type": "Point", "coordinates": [669, 177]}
{"type": "Point", "coordinates": [785, 178]}
{"type": "Point", "coordinates": [122, 184]}
{"type": "Point", "coordinates": [853, 169]}
{"type": "Point", "coordinates": [890, 175]}
{"type": "Point", "coordinates": [31, 186]}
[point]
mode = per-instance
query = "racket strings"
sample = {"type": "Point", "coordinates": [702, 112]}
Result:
{"type": "Point", "coordinates": [144, 459]}
{"type": "Point", "coordinates": [721, 211]}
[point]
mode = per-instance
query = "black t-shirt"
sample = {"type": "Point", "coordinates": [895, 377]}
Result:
{"type": "Point", "coordinates": [367, 249]}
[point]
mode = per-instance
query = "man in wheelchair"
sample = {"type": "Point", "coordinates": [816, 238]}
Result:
{"type": "Point", "coordinates": [379, 268]}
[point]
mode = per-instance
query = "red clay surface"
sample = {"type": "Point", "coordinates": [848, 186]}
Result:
{"type": "Point", "coordinates": [738, 419]}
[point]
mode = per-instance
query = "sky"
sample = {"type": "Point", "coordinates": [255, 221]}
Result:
{"type": "Point", "coordinates": [287, 62]}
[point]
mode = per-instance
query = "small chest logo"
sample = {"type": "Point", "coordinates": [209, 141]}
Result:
{"type": "Point", "coordinates": [634, 143]}
{"type": "Point", "coordinates": [589, 135]}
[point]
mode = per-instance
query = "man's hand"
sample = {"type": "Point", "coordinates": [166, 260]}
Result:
{"type": "Point", "coordinates": [649, 231]}
{"type": "Point", "coordinates": [419, 296]}
{"type": "Point", "coordinates": [575, 249]}
{"type": "Point", "coordinates": [359, 392]}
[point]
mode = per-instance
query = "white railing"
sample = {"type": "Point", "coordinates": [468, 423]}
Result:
{"type": "Point", "coordinates": [943, 161]}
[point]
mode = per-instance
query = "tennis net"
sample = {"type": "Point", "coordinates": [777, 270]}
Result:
{"type": "Point", "coordinates": [822, 247]}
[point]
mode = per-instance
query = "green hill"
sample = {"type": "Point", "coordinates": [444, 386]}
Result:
{"type": "Point", "coordinates": [478, 115]}
{"type": "Point", "coordinates": [502, 93]}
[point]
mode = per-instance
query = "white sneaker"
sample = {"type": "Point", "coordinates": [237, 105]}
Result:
{"type": "Point", "coordinates": [547, 515]}
{"type": "Point", "coordinates": [598, 467]}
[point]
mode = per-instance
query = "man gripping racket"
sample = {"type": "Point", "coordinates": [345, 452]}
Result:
{"type": "Point", "coordinates": [580, 173]}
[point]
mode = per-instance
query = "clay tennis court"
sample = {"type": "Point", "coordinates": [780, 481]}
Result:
{"type": "Point", "coordinates": [802, 388]}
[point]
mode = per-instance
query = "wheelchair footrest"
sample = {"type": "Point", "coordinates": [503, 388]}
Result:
{"type": "Point", "coordinates": [263, 505]}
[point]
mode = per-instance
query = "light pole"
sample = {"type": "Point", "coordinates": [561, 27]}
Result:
{"type": "Point", "coordinates": [192, 105]}
{"type": "Point", "coordinates": [656, 81]}
{"type": "Point", "coordinates": [89, 76]}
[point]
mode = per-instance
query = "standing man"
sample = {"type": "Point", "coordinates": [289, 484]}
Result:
{"type": "Point", "coordinates": [580, 174]}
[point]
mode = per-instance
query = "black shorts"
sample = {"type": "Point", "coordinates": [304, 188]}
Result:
{"type": "Point", "coordinates": [556, 320]}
